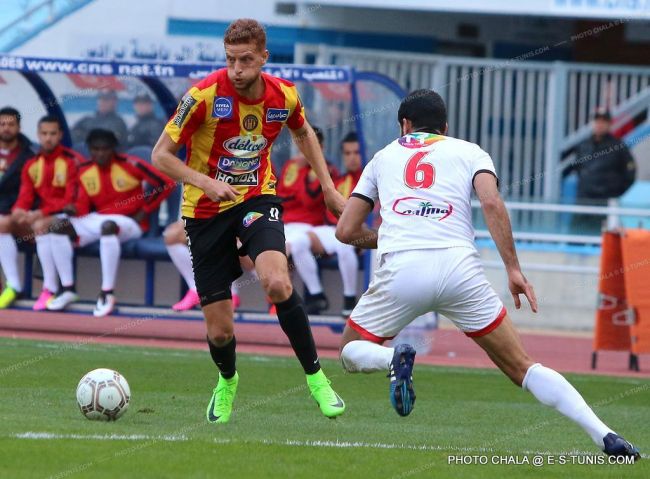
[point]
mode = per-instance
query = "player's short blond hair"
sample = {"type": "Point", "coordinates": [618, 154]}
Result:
{"type": "Point", "coordinates": [245, 30]}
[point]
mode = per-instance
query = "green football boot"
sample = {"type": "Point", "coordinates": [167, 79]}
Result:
{"type": "Point", "coordinates": [220, 406]}
{"type": "Point", "coordinates": [7, 297]}
{"type": "Point", "coordinates": [330, 403]}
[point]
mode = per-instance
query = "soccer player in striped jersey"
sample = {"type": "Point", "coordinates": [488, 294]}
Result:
{"type": "Point", "coordinates": [228, 122]}
{"type": "Point", "coordinates": [48, 188]}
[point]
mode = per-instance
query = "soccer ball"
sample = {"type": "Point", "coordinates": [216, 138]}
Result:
{"type": "Point", "coordinates": [103, 395]}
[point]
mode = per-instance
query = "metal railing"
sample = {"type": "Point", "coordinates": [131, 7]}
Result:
{"type": "Point", "coordinates": [524, 113]}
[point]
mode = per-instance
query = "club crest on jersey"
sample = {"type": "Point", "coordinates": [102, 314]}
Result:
{"type": "Point", "coordinates": [245, 146]}
{"type": "Point", "coordinates": [222, 107]}
{"type": "Point", "coordinates": [414, 206]}
{"type": "Point", "coordinates": [277, 114]}
{"type": "Point", "coordinates": [251, 217]}
{"type": "Point", "coordinates": [419, 140]}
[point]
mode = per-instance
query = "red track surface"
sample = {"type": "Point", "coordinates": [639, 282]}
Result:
{"type": "Point", "coordinates": [563, 352]}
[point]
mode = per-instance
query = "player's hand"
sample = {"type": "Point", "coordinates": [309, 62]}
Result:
{"type": "Point", "coordinates": [218, 190]}
{"type": "Point", "coordinates": [518, 284]}
{"type": "Point", "coordinates": [70, 210]}
{"type": "Point", "coordinates": [33, 216]}
{"type": "Point", "coordinates": [18, 215]}
{"type": "Point", "coordinates": [138, 216]}
{"type": "Point", "coordinates": [334, 202]}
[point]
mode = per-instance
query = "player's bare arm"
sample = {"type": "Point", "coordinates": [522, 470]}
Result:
{"type": "Point", "coordinates": [498, 223]}
{"type": "Point", "coordinates": [306, 141]}
{"type": "Point", "coordinates": [352, 228]}
{"type": "Point", "coordinates": [164, 158]}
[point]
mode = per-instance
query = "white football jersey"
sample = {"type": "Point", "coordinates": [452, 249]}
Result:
{"type": "Point", "coordinates": [424, 184]}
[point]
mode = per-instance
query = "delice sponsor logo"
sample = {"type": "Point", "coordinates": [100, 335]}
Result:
{"type": "Point", "coordinates": [222, 107]}
{"type": "Point", "coordinates": [245, 146]}
{"type": "Point", "coordinates": [414, 206]}
{"type": "Point", "coordinates": [238, 166]}
{"type": "Point", "coordinates": [277, 114]}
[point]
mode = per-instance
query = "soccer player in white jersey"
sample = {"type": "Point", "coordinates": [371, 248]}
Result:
{"type": "Point", "coordinates": [427, 261]}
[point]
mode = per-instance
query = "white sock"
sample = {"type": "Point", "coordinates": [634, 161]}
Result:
{"type": "Point", "coordinates": [180, 255]}
{"type": "Point", "coordinates": [550, 388]}
{"type": "Point", "coordinates": [9, 260]}
{"type": "Point", "coordinates": [366, 357]}
{"type": "Point", "coordinates": [63, 258]}
{"type": "Point", "coordinates": [109, 254]}
{"type": "Point", "coordinates": [46, 257]}
{"type": "Point", "coordinates": [306, 263]}
{"type": "Point", "coordinates": [348, 266]}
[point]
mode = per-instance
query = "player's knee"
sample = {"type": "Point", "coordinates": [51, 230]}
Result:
{"type": "Point", "coordinates": [5, 224]}
{"type": "Point", "coordinates": [109, 228]}
{"type": "Point", "coordinates": [277, 287]}
{"type": "Point", "coordinates": [220, 333]}
{"type": "Point", "coordinates": [220, 338]}
{"type": "Point", "coordinates": [175, 234]}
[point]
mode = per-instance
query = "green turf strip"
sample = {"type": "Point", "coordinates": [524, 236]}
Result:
{"type": "Point", "coordinates": [277, 430]}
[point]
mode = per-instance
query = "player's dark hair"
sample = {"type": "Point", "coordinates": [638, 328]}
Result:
{"type": "Point", "coordinates": [245, 30]}
{"type": "Point", "coordinates": [99, 135]}
{"type": "Point", "coordinates": [425, 109]}
{"type": "Point", "coordinates": [351, 137]}
{"type": "Point", "coordinates": [319, 134]}
{"type": "Point", "coordinates": [10, 111]}
{"type": "Point", "coordinates": [51, 119]}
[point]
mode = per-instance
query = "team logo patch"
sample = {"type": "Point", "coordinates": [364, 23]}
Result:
{"type": "Point", "coordinates": [414, 206]}
{"type": "Point", "coordinates": [183, 110]}
{"type": "Point", "coordinates": [222, 107]}
{"type": "Point", "coordinates": [245, 146]}
{"type": "Point", "coordinates": [277, 114]}
{"type": "Point", "coordinates": [419, 140]}
{"type": "Point", "coordinates": [251, 217]}
{"type": "Point", "coordinates": [250, 122]}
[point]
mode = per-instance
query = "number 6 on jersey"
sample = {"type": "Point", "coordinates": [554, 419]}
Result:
{"type": "Point", "coordinates": [418, 173]}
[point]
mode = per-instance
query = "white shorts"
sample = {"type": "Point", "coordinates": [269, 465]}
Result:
{"type": "Point", "coordinates": [326, 234]}
{"type": "Point", "coordinates": [408, 284]}
{"type": "Point", "coordinates": [89, 227]}
{"type": "Point", "coordinates": [291, 230]}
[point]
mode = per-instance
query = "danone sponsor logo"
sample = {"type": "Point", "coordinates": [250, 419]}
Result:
{"type": "Point", "coordinates": [245, 146]}
{"type": "Point", "coordinates": [250, 217]}
{"type": "Point", "coordinates": [414, 206]}
{"type": "Point", "coordinates": [238, 166]}
{"type": "Point", "coordinates": [222, 107]}
{"type": "Point", "coordinates": [277, 114]}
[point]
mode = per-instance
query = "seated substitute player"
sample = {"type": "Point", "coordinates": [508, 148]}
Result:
{"type": "Point", "coordinates": [112, 208]}
{"type": "Point", "coordinates": [423, 181]}
{"type": "Point", "coordinates": [303, 208]}
{"type": "Point", "coordinates": [15, 150]}
{"type": "Point", "coordinates": [179, 252]}
{"type": "Point", "coordinates": [49, 185]}
{"type": "Point", "coordinates": [229, 121]}
{"type": "Point", "coordinates": [321, 239]}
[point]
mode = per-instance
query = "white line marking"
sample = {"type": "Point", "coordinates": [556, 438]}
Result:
{"type": "Point", "coordinates": [294, 443]}
{"type": "Point", "coordinates": [100, 437]}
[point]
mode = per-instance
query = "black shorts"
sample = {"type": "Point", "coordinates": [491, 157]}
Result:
{"type": "Point", "coordinates": [213, 243]}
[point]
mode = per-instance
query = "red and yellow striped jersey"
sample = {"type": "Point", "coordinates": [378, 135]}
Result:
{"type": "Point", "coordinates": [229, 137]}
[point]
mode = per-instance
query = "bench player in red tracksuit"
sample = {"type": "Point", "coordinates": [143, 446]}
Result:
{"type": "Point", "coordinates": [304, 208]}
{"type": "Point", "coordinates": [48, 188]}
{"type": "Point", "coordinates": [321, 239]}
{"type": "Point", "coordinates": [112, 208]}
